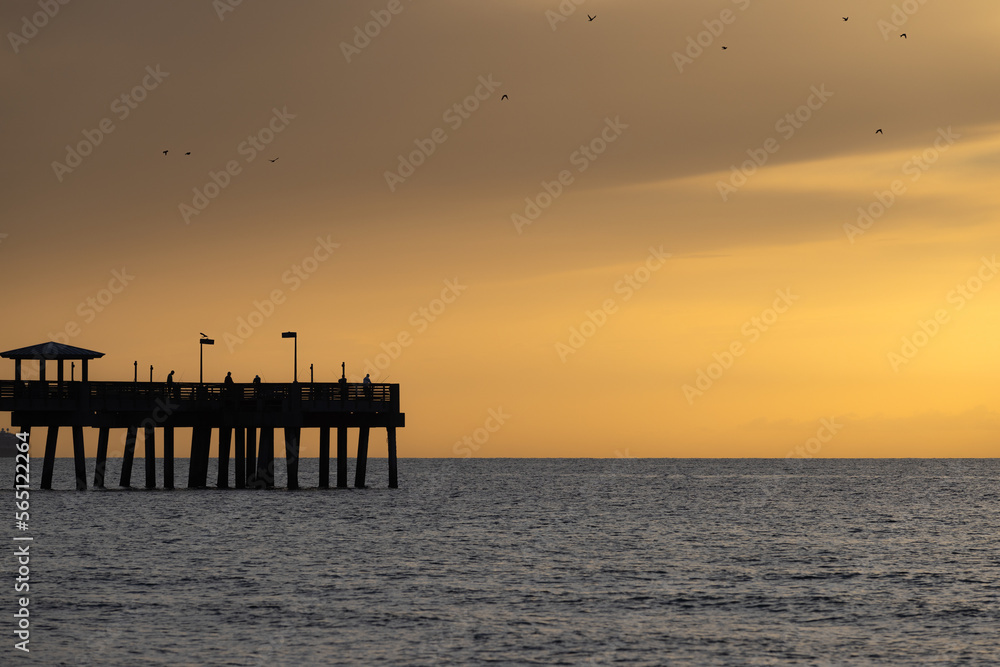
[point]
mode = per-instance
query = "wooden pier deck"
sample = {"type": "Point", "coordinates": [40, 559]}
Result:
{"type": "Point", "coordinates": [245, 415]}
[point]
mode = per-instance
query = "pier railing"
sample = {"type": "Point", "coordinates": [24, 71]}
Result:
{"type": "Point", "coordinates": [326, 396]}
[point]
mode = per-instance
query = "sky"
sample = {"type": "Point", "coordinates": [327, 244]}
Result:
{"type": "Point", "coordinates": [654, 246]}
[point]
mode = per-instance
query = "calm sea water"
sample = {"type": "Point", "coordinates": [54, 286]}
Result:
{"type": "Point", "coordinates": [514, 561]}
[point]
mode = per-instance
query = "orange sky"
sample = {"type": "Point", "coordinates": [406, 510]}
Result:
{"type": "Point", "coordinates": [618, 130]}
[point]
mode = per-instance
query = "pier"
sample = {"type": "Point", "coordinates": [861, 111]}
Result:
{"type": "Point", "coordinates": [245, 415]}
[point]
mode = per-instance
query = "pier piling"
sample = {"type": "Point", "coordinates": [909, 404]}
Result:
{"type": "Point", "coordinates": [51, 437]}
{"type": "Point", "coordinates": [251, 456]}
{"type": "Point", "coordinates": [225, 439]}
{"type": "Point", "coordinates": [324, 457]}
{"type": "Point", "coordinates": [292, 456]}
{"type": "Point", "coordinates": [79, 457]}
{"type": "Point", "coordinates": [127, 457]}
{"type": "Point", "coordinates": [240, 451]}
{"type": "Point", "coordinates": [102, 457]}
{"type": "Point", "coordinates": [362, 463]}
{"type": "Point", "coordinates": [168, 457]}
{"type": "Point", "coordinates": [341, 457]}
{"type": "Point", "coordinates": [150, 452]}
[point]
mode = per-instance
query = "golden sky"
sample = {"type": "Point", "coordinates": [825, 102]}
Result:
{"type": "Point", "coordinates": [581, 257]}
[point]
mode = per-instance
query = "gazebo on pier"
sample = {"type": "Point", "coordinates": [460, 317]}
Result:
{"type": "Point", "coordinates": [51, 351]}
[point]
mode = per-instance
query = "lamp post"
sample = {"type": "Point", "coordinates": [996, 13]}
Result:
{"type": "Point", "coordinates": [295, 359]}
{"type": "Point", "coordinates": [201, 356]}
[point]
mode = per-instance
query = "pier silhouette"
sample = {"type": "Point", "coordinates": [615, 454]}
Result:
{"type": "Point", "coordinates": [246, 416]}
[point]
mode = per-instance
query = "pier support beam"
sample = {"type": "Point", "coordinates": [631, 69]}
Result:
{"type": "Point", "coordinates": [251, 456]}
{"type": "Point", "coordinates": [225, 439]}
{"type": "Point", "coordinates": [201, 440]}
{"type": "Point", "coordinates": [324, 457]}
{"type": "Point", "coordinates": [341, 457]}
{"type": "Point", "coordinates": [292, 435]}
{"type": "Point", "coordinates": [127, 457]}
{"type": "Point", "coordinates": [150, 439]}
{"type": "Point", "coordinates": [79, 456]}
{"type": "Point", "coordinates": [265, 458]}
{"type": "Point", "coordinates": [168, 457]}
{"type": "Point", "coordinates": [51, 437]}
{"type": "Point", "coordinates": [391, 435]}
{"type": "Point", "coordinates": [240, 450]}
{"type": "Point", "coordinates": [102, 457]}
{"type": "Point", "coordinates": [362, 463]}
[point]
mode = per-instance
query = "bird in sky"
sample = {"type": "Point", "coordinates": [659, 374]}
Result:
{"type": "Point", "coordinates": [203, 335]}
{"type": "Point", "coordinates": [903, 35]}
{"type": "Point", "coordinates": [724, 48]}
{"type": "Point", "coordinates": [844, 17]}
{"type": "Point", "coordinates": [879, 131]}
{"type": "Point", "coordinates": [503, 98]}
{"type": "Point", "coordinates": [188, 153]}
{"type": "Point", "coordinates": [274, 160]}
{"type": "Point", "coordinates": [165, 152]}
{"type": "Point", "coordinates": [591, 17]}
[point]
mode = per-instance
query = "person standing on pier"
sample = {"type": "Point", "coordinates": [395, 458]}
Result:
{"type": "Point", "coordinates": [367, 382]}
{"type": "Point", "coordinates": [256, 385]}
{"type": "Point", "coordinates": [170, 384]}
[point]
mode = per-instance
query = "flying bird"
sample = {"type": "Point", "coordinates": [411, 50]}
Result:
{"type": "Point", "coordinates": [188, 153]}
{"type": "Point", "coordinates": [591, 17]}
{"type": "Point", "coordinates": [903, 35]}
{"type": "Point", "coordinates": [878, 131]}
{"type": "Point", "coordinates": [844, 17]}
{"type": "Point", "coordinates": [203, 335]}
{"type": "Point", "coordinates": [164, 152]}
{"type": "Point", "coordinates": [274, 160]}
{"type": "Point", "coordinates": [724, 48]}
{"type": "Point", "coordinates": [503, 98]}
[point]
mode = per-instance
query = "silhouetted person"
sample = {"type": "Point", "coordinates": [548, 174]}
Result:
{"type": "Point", "coordinates": [256, 385]}
{"type": "Point", "coordinates": [170, 384]}
{"type": "Point", "coordinates": [229, 379]}
{"type": "Point", "coordinates": [367, 383]}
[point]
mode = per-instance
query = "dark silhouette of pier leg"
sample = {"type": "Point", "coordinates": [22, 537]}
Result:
{"type": "Point", "coordinates": [292, 435]}
{"type": "Point", "coordinates": [251, 456]}
{"type": "Point", "coordinates": [51, 437]}
{"type": "Point", "coordinates": [341, 457]}
{"type": "Point", "coordinates": [265, 458]}
{"type": "Point", "coordinates": [126, 479]}
{"type": "Point", "coordinates": [102, 457]}
{"type": "Point", "coordinates": [204, 445]}
{"type": "Point", "coordinates": [225, 439]}
{"type": "Point", "coordinates": [193, 461]}
{"type": "Point", "coordinates": [150, 438]}
{"type": "Point", "coordinates": [168, 457]}
{"type": "Point", "coordinates": [362, 464]}
{"type": "Point", "coordinates": [240, 451]}
{"type": "Point", "coordinates": [391, 434]}
{"type": "Point", "coordinates": [79, 458]}
{"type": "Point", "coordinates": [324, 457]}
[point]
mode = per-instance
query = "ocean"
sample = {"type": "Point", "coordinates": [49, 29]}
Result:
{"type": "Point", "coordinates": [523, 562]}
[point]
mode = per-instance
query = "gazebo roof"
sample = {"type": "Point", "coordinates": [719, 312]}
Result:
{"type": "Point", "coordinates": [51, 350]}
